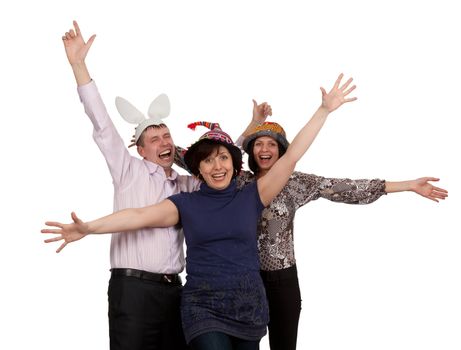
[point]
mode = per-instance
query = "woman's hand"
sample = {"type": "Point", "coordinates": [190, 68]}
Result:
{"type": "Point", "coordinates": [422, 187]}
{"type": "Point", "coordinates": [67, 232]}
{"type": "Point", "coordinates": [337, 95]}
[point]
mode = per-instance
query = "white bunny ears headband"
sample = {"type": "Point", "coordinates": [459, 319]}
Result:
{"type": "Point", "coordinates": [158, 110]}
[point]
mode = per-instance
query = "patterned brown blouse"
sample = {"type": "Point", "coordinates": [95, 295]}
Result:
{"type": "Point", "coordinates": [275, 228]}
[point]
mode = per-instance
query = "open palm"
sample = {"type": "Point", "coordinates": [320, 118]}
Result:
{"type": "Point", "coordinates": [422, 187]}
{"type": "Point", "coordinates": [67, 232]}
{"type": "Point", "coordinates": [338, 94]}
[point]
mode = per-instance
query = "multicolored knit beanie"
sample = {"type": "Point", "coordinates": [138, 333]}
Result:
{"type": "Point", "coordinates": [215, 135]}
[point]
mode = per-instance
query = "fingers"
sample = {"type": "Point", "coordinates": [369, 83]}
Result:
{"type": "Point", "coordinates": [51, 230]}
{"type": "Point", "coordinates": [434, 195]}
{"type": "Point", "coordinates": [323, 91]}
{"type": "Point", "coordinates": [346, 84]}
{"type": "Point", "coordinates": [75, 218]}
{"type": "Point", "coordinates": [61, 247]}
{"type": "Point", "coordinates": [54, 223]}
{"type": "Point", "coordinates": [77, 28]}
{"type": "Point", "coordinates": [348, 91]}
{"type": "Point", "coordinates": [268, 110]}
{"type": "Point", "coordinates": [440, 189]}
{"type": "Point", "coordinates": [255, 104]}
{"type": "Point", "coordinates": [55, 239]}
{"type": "Point", "coordinates": [90, 40]}
{"type": "Point", "coordinates": [431, 178]}
{"type": "Point", "coordinates": [438, 194]}
{"type": "Point", "coordinates": [350, 99]}
{"type": "Point", "coordinates": [338, 81]}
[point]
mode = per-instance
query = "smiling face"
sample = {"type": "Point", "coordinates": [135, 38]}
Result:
{"type": "Point", "coordinates": [156, 145]}
{"type": "Point", "coordinates": [217, 169]}
{"type": "Point", "coordinates": [266, 153]}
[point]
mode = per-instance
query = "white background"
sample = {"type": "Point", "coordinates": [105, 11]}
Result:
{"type": "Point", "coordinates": [382, 276]}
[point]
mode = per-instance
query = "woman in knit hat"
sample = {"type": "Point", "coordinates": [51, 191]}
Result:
{"type": "Point", "coordinates": [265, 143]}
{"type": "Point", "coordinates": [224, 304]}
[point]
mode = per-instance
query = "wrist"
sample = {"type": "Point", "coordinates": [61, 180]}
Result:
{"type": "Point", "coordinates": [78, 64]}
{"type": "Point", "coordinates": [323, 111]}
{"type": "Point", "coordinates": [411, 185]}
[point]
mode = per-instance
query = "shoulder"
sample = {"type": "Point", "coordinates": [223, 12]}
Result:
{"type": "Point", "coordinates": [245, 177]}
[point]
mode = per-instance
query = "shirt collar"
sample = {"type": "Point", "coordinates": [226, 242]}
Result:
{"type": "Point", "coordinates": [155, 168]}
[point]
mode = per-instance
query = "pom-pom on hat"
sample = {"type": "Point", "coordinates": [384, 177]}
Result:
{"type": "Point", "coordinates": [271, 129]}
{"type": "Point", "coordinates": [158, 110]}
{"type": "Point", "coordinates": [215, 135]}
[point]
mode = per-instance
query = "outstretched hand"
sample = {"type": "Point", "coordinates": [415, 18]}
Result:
{"type": "Point", "coordinates": [422, 187]}
{"type": "Point", "coordinates": [76, 47]}
{"type": "Point", "coordinates": [261, 112]}
{"type": "Point", "coordinates": [67, 232]}
{"type": "Point", "coordinates": [338, 94]}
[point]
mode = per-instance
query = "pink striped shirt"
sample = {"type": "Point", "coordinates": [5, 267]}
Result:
{"type": "Point", "coordinates": [137, 183]}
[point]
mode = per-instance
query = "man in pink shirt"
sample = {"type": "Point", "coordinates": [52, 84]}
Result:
{"type": "Point", "coordinates": [144, 289]}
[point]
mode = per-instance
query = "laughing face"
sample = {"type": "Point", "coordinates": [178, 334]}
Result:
{"type": "Point", "coordinates": [157, 146]}
{"type": "Point", "coordinates": [265, 152]}
{"type": "Point", "coordinates": [217, 169]}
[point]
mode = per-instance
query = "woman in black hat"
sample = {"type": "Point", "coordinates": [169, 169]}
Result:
{"type": "Point", "coordinates": [224, 304]}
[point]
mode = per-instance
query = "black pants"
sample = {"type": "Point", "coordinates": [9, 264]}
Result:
{"type": "Point", "coordinates": [284, 298]}
{"type": "Point", "coordinates": [144, 315]}
{"type": "Point", "coordinates": [222, 341]}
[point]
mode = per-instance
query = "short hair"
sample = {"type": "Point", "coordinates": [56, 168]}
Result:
{"type": "Point", "coordinates": [140, 141]}
{"type": "Point", "coordinates": [207, 147]}
{"type": "Point", "coordinates": [251, 158]}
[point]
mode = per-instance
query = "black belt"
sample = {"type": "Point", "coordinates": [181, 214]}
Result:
{"type": "Point", "coordinates": [149, 276]}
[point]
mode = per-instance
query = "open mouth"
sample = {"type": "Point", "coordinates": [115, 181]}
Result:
{"type": "Point", "coordinates": [219, 176]}
{"type": "Point", "coordinates": [265, 159]}
{"type": "Point", "coordinates": [165, 154]}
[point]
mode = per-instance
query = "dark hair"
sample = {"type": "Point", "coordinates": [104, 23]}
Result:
{"type": "Point", "coordinates": [251, 158]}
{"type": "Point", "coordinates": [205, 147]}
{"type": "Point", "coordinates": [140, 141]}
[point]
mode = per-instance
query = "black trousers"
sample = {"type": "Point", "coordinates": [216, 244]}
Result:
{"type": "Point", "coordinates": [221, 341]}
{"type": "Point", "coordinates": [284, 298]}
{"type": "Point", "coordinates": [144, 315]}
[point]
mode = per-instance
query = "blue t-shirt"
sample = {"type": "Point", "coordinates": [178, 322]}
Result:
{"type": "Point", "coordinates": [224, 291]}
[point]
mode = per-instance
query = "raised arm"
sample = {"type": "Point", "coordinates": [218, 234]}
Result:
{"type": "Point", "coordinates": [272, 183]}
{"type": "Point", "coordinates": [105, 134]}
{"type": "Point", "coordinates": [76, 51]}
{"type": "Point", "coordinates": [163, 214]}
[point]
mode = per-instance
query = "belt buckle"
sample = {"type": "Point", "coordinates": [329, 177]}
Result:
{"type": "Point", "coordinates": [167, 279]}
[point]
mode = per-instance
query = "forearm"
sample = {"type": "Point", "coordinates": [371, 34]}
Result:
{"type": "Point", "coordinates": [253, 124]}
{"type": "Point", "coordinates": [81, 74]}
{"type": "Point", "coordinates": [399, 186]}
{"type": "Point", "coordinates": [124, 220]}
{"type": "Point", "coordinates": [307, 135]}
{"type": "Point", "coordinates": [272, 183]}
{"type": "Point", "coordinates": [250, 127]}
